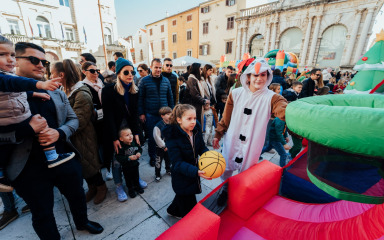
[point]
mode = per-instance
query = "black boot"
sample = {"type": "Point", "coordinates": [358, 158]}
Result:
{"type": "Point", "coordinates": [92, 227]}
{"type": "Point", "coordinates": [223, 198]}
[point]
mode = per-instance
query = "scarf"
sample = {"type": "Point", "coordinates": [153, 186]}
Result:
{"type": "Point", "coordinates": [127, 87]}
{"type": "Point", "coordinates": [75, 87]}
{"type": "Point", "coordinates": [97, 86]}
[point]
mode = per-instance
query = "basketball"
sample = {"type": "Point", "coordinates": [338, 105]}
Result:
{"type": "Point", "coordinates": [212, 163]}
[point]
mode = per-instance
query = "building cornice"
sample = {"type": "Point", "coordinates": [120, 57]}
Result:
{"type": "Point", "coordinates": [42, 4]}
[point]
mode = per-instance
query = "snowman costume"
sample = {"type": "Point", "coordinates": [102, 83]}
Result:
{"type": "Point", "coordinates": [245, 120]}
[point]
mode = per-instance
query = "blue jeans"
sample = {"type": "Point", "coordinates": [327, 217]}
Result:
{"type": "Point", "coordinates": [278, 146]}
{"type": "Point", "coordinates": [151, 121]}
{"type": "Point", "coordinates": [116, 172]}
{"type": "Point", "coordinates": [8, 201]}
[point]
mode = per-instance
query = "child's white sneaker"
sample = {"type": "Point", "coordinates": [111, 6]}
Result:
{"type": "Point", "coordinates": [158, 179]}
{"type": "Point", "coordinates": [108, 175]}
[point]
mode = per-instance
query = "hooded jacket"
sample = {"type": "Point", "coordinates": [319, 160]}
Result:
{"type": "Point", "coordinates": [184, 158]}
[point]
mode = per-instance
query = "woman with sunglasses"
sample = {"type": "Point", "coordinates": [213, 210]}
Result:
{"type": "Point", "coordinates": [85, 138]}
{"type": "Point", "coordinates": [120, 102]}
{"type": "Point", "coordinates": [143, 70]}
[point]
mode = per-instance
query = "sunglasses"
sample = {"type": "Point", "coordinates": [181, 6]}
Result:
{"type": "Point", "coordinates": [140, 70]}
{"type": "Point", "coordinates": [93, 71]}
{"type": "Point", "coordinates": [126, 73]}
{"type": "Point", "coordinates": [36, 61]}
{"type": "Point", "coordinates": [318, 75]}
{"type": "Point", "coordinates": [168, 65]}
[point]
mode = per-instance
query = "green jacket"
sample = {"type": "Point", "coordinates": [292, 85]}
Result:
{"type": "Point", "coordinates": [126, 151]}
{"type": "Point", "coordinates": [278, 131]}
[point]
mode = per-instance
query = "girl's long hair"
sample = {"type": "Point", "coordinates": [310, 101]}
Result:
{"type": "Point", "coordinates": [71, 72]}
{"type": "Point", "coordinates": [179, 111]}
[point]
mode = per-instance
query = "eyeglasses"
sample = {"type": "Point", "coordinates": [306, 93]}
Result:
{"type": "Point", "coordinates": [168, 65]}
{"type": "Point", "coordinates": [93, 71]}
{"type": "Point", "coordinates": [126, 73]}
{"type": "Point", "coordinates": [36, 61]}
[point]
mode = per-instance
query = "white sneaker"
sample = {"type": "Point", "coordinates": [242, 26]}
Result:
{"type": "Point", "coordinates": [121, 195]}
{"type": "Point", "coordinates": [108, 175]}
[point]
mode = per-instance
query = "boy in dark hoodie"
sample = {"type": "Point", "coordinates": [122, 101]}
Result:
{"type": "Point", "coordinates": [128, 157]}
{"type": "Point", "coordinates": [278, 140]}
{"type": "Point", "coordinates": [293, 93]}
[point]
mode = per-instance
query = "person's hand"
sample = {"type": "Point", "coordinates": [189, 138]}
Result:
{"type": "Point", "coordinates": [142, 118]}
{"type": "Point", "coordinates": [138, 155]}
{"type": "Point", "coordinates": [137, 139]}
{"type": "Point", "coordinates": [48, 136]}
{"type": "Point", "coordinates": [43, 96]}
{"type": "Point", "coordinates": [215, 143]}
{"type": "Point", "coordinates": [287, 147]}
{"type": "Point", "coordinates": [165, 149]}
{"type": "Point", "coordinates": [116, 146]}
{"type": "Point", "coordinates": [38, 123]}
{"type": "Point", "coordinates": [50, 85]}
{"type": "Point", "coordinates": [287, 139]}
{"type": "Point", "coordinates": [133, 157]}
{"type": "Point", "coordinates": [201, 174]}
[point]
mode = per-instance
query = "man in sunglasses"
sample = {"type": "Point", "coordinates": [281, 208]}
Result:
{"type": "Point", "coordinates": [309, 83]}
{"type": "Point", "coordinates": [155, 92]}
{"type": "Point", "coordinates": [27, 169]}
{"type": "Point", "coordinates": [167, 72]}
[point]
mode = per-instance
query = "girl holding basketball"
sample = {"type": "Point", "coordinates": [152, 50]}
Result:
{"type": "Point", "coordinates": [185, 143]}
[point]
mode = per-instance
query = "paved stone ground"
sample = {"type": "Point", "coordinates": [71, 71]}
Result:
{"type": "Point", "coordinates": [140, 218]}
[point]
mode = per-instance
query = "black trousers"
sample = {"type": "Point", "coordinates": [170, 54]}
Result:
{"type": "Point", "coordinates": [160, 155]}
{"type": "Point", "coordinates": [131, 175]}
{"type": "Point", "coordinates": [182, 205]}
{"type": "Point", "coordinates": [35, 185]}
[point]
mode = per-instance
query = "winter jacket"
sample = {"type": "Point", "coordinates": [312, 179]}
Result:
{"type": "Point", "coordinates": [308, 88]}
{"type": "Point", "coordinates": [220, 86]}
{"type": "Point", "coordinates": [184, 158]}
{"type": "Point", "coordinates": [174, 85]}
{"type": "Point", "coordinates": [290, 95]}
{"type": "Point", "coordinates": [85, 139]}
{"type": "Point", "coordinates": [152, 99]}
{"type": "Point", "coordinates": [280, 80]}
{"type": "Point", "coordinates": [195, 96]}
{"type": "Point", "coordinates": [278, 131]}
{"type": "Point", "coordinates": [126, 151]}
{"type": "Point", "coordinates": [14, 107]}
{"type": "Point", "coordinates": [158, 136]}
{"type": "Point", "coordinates": [182, 91]}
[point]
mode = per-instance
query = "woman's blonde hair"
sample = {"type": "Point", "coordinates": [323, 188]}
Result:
{"type": "Point", "coordinates": [120, 89]}
{"type": "Point", "coordinates": [179, 111]}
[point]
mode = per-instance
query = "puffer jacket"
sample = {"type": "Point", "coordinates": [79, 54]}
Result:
{"type": "Point", "coordinates": [85, 139]}
{"type": "Point", "coordinates": [14, 107]}
{"type": "Point", "coordinates": [151, 99]}
{"type": "Point", "coordinates": [184, 158]}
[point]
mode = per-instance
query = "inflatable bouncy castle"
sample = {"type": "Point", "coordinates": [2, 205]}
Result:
{"type": "Point", "coordinates": [334, 189]}
{"type": "Point", "coordinates": [279, 59]}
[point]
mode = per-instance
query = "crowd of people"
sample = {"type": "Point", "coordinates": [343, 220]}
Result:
{"type": "Point", "coordinates": [67, 121]}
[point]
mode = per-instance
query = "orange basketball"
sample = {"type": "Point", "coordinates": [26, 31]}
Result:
{"type": "Point", "coordinates": [212, 163]}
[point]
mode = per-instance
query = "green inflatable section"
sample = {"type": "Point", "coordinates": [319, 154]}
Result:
{"type": "Point", "coordinates": [353, 123]}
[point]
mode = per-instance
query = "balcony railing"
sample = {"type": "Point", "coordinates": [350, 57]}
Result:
{"type": "Point", "coordinates": [45, 42]}
{"type": "Point", "coordinates": [262, 9]}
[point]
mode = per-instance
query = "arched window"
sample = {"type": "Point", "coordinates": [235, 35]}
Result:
{"type": "Point", "coordinates": [257, 46]}
{"type": "Point", "coordinates": [290, 41]}
{"type": "Point", "coordinates": [332, 46]}
{"type": "Point", "coordinates": [107, 36]}
{"type": "Point", "coordinates": [44, 27]}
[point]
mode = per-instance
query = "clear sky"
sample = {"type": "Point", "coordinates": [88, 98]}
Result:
{"type": "Point", "coordinates": [133, 14]}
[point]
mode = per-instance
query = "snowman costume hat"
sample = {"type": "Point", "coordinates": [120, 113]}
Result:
{"type": "Point", "coordinates": [245, 136]}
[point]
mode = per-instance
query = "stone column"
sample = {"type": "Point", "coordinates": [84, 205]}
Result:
{"type": "Point", "coordinates": [352, 38]}
{"type": "Point", "coordinates": [314, 41]}
{"type": "Point", "coordinates": [303, 54]}
{"type": "Point", "coordinates": [244, 40]}
{"type": "Point", "coordinates": [363, 35]}
{"type": "Point", "coordinates": [238, 43]}
{"type": "Point", "coordinates": [266, 45]}
{"type": "Point", "coordinates": [273, 40]}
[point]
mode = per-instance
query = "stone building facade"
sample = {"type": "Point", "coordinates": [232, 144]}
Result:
{"type": "Point", "coordinates": [157, 35]}
{"type": "Point", "coordinates": [322, 33]}
{"type": "Point", "coordinates": [64, 28]}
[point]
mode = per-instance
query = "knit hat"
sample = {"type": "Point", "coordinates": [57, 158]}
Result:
{"type": "Point", "coordinates": [120, 63]}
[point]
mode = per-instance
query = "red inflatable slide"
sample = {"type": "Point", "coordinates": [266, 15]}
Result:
{"type": "Point", "coordinates": [256, 211]}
